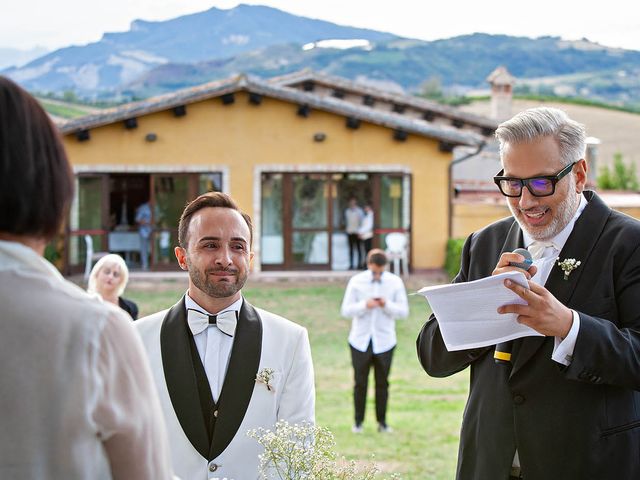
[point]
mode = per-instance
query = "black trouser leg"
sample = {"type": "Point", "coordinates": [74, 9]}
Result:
{"type": "Point", "coordinates": [381, 369]}
{"type": "Point", "coordinates": [354, 247]}
{"type": "Point", "coordinates": [361, 362]}
{"type": "Point", "coordinates": [366, 244]}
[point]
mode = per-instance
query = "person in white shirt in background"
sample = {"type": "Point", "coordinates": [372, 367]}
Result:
{"type": "Point", "coordinates": [353, 216]}
{"type": "Point", "coordinates": [365, 233]}
{"type": "Point", "coordinates": [76, 395]}
{"type": "Point", "coordinates": [374, 299]}
{"type": "Point", "coordinates": [145, 227]}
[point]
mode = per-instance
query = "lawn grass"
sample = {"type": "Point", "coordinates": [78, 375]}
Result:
{"type": "Point", "coordinates": [424, 412]}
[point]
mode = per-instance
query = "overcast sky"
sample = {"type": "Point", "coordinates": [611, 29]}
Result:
{"type": "Point", "coordinates": [58, 23]}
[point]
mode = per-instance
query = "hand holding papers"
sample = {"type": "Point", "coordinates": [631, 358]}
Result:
{"type": "Point", "coordinates": [467, 312]}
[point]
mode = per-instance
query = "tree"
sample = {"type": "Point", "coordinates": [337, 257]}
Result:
{"type": "Point", "coordinates": [69, 96]}
{"type": "Point", "coordinates": [431, 88]}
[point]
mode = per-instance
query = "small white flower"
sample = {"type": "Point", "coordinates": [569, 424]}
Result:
{"type": "Point", "coordinates": [568, 265]}
{"type": "Point", "coordinates": [265, 375]}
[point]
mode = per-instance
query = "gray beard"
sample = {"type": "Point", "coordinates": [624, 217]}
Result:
{"type": "Point", "coordinates": [563, 216]}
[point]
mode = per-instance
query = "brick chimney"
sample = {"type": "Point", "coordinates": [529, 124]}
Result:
{"type": "Point", "coordinates": [501, 82]}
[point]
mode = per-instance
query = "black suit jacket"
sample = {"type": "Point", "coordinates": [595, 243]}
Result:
{"type": "Point", "coordinates": [576, 422]}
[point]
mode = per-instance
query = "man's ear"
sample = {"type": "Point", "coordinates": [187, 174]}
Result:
{"type": "Point", "coordinates": [580, 170]}
{"type": "Point", "coordinates": [181, 255]}
{"type": "Point", "coordinates": [251, 257]}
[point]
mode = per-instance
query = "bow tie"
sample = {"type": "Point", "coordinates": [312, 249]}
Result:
{"type": "Point", "coordinates": [225, 321]}
{"type": "Point", "coordinates": [538, 247]}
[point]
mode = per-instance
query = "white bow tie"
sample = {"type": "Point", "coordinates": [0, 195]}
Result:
{"type": "Point", "coordinates": [538, 247]}
{"type": "Point", "coordinates": [200, 321]}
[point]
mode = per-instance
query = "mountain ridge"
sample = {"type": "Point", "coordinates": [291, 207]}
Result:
{"type": "Point", "coordinates": [155, 57]}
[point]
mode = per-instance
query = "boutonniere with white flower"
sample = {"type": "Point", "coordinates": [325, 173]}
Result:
{"type": "Point", "coordinates": [265, 375]}
{"type": "Point", "coordinates": [568, 265]}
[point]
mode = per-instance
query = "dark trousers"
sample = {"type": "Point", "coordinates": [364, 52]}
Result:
{"type": "Point", "coordinates": [368, 243]}
{"type": "Point", "coordinates": [354, 247]}
{"type": "Point", "coordinates": [362, 362]}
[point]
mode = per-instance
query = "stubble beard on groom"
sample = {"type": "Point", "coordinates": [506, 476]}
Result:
{"type": "Point", "coordinates": [201, 279]}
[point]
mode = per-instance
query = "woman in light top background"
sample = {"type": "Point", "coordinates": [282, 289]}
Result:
{"type": "Point", "coordinates": [108, 279]}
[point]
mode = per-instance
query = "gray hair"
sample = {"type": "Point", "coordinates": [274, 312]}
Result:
{"type": "Point", "coordinates": [538, 122]}
{"type": "Point", "coordinates": [111, 259]}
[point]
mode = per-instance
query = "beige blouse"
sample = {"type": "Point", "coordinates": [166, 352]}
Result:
{"type": "Point", "coordinates": [76, 396]}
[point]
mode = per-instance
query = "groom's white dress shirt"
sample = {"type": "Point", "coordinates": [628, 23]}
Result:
{"type": "Point", "coordinates": [214, 347]}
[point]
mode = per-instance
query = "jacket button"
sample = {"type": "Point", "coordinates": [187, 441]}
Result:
{"type": "Point", "coordinates": [213, 467]}
{"type": "Point", "coordinates": [215, 413]}
{"type": "Point", "coordinates": [518, 399]}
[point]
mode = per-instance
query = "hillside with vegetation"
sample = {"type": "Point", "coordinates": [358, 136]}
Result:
{"type": "Point", "coordinates": [160, 57]}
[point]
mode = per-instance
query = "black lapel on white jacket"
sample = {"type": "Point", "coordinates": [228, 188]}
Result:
{"type": "Point", "coordinates": [179, 374]}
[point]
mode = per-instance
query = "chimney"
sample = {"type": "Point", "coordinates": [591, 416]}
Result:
{"type": "Point", "coordinates": [591, 156]}
{"type": "Point", "coordinates": [501, 82]}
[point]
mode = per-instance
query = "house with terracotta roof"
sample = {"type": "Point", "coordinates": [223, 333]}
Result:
{"type": "Point", "coordinates": [290, 150]}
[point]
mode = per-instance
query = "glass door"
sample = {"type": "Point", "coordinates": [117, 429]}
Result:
{"type": "Point", "coordinates": [171, 192]}
{"type": "Point", "coordinates": [88, 220]}
{"type": "Point", "coordinates": [271, 224]}
{"type": "Point", "coordinates": [394, 208]}
{"type": "Point", "coordinates": [309, 212]}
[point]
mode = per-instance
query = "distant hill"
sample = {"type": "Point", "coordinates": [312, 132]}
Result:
{"type": "Point", "coordinates": [15, 57]}
{"type": "Point", "coordinates": [119, 58]}
{"type": "Point", "coordinates": [158, 57]}
{"type": "Point", "coordinates": [462, 63]}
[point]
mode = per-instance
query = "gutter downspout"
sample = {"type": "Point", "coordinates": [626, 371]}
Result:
{"type": "Point", "coordinates": [450, 181]}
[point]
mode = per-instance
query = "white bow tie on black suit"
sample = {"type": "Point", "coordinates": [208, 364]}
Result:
{"type": "Point", "coordinates": [200, 321]}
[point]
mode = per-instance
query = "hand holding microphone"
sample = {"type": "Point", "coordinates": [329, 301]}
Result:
{"type": "Point", "coordinates": [528, 261]}
{"type": "Point", "coordinates": [502, 354]}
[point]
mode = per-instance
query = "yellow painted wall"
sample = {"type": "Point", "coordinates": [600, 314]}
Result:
{"type": "Point", "coordinates": [241, 136]}
{"type": "Point", "coordinates": [469, 217]}
{"type": "Point", "coordinates": [631, 211]}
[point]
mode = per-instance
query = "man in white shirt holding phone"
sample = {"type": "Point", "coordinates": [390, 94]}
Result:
{"type": "Point", "coordinates": [374, 299]}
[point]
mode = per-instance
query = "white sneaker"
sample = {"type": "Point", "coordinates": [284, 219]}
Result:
{"type": "Point", "coordinates": [384, 428]}
{"type": "Point", "coordinates": [356, 428]}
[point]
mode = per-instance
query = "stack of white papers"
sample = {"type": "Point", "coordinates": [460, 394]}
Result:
{"type": "Point", "coordinates": [467, 313]}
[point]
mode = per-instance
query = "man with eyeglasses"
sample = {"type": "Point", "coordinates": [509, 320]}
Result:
{"type": "Point", "coordinates": [567, 405]}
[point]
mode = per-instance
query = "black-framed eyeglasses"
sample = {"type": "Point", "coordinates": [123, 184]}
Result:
{"type": "Point", "coordinates": [542, 186]}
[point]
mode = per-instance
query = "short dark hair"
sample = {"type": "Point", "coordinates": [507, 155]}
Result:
{"type": "Point", "coordinates": [36, 180]}
{"type": "Point", "coordinates": [209, 199]}
{"type": "Point", "coordinates": [377, 257]}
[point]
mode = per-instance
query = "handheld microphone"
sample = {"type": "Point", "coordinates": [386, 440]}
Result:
{"type": "Point", "coordinates": [502, 354]}
{"type": "Point", "coordinates": [528, 261]}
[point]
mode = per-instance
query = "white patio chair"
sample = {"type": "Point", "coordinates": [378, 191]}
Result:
{"type": "Point", "coordinates": [398, 251]}
{"type": "Point", "coordinates": [92, 256]}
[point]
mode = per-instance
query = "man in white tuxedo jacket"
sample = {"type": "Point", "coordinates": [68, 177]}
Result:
{"type": "Point", "coordinates": [221, 366]}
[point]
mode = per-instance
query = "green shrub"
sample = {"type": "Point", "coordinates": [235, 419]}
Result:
{"type": "Point", "coordinates": [454, 254]}
{"type": "Point", "coordinates": [621, 177]}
